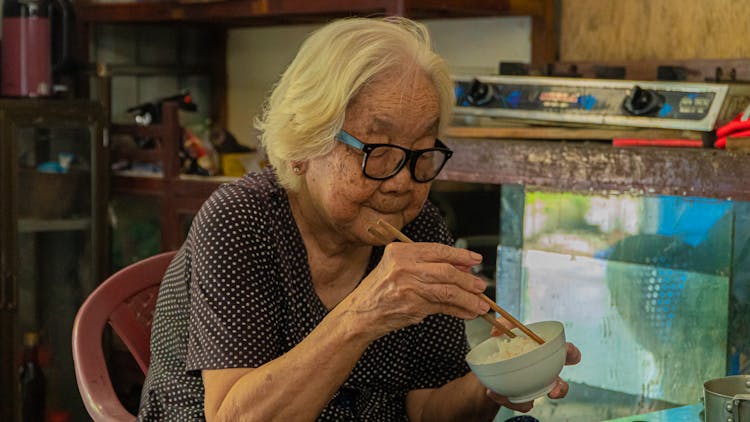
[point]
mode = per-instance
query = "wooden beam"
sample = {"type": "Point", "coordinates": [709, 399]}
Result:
{"type": "Point", "coordinates": [590, 166]}
{"type": "Point", "coordinates": [265, 12]}
{"type": "Point", "coordinates": [552, 132]}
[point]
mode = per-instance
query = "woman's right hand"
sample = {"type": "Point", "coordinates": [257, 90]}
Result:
{"type": "Point", "coordinates": [414, 280]}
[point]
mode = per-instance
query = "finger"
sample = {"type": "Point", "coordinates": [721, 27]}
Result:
{"type": "Point", "coordinates": [503, 401]}
{"type": "Point", "coordinates": [446, 274]}
{"type": "Point", "coordinates": [463, 268]}
{"type": "Point", "coordinates": [465, 279]}
{"type": "Point", "coordinates": [507, 324]}
{"type": "Point", "coordinates": [436, 252]}
{"type": "Point", "coordinates": [572, 354]}
{"type": "Point", "coordinates": [436, 263]}
{"type": "Point", "coordinates": [560, 389]}
{"type": "Point", "coordinates": [441, 296]}
{"type": "Point", "coordinates": [453, 311]}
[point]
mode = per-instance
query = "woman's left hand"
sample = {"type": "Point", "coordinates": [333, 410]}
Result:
{"type": "Point", "coordinates": [560, 390]}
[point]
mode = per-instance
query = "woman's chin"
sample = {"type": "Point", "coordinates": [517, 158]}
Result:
{"type": "Point", "coordinates": [395, 218]}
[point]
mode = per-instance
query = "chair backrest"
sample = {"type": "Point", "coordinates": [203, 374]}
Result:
{"type": "Point", "coordinates": [126, 301]}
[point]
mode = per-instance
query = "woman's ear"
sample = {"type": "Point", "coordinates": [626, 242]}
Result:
{"type": "Point", "coordinates": [298, 167]}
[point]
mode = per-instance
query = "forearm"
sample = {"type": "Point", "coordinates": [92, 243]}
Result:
{"type": "Point", "coordinates": [459, 400]}
{"type": "Point", "coordinates": [299, 384]}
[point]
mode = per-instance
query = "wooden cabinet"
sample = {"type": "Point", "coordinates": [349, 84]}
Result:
{"type": "Point", "coordinates": [53, 248]}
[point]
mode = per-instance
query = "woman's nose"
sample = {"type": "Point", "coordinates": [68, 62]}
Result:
{"type": "Point", "coordinates": [401, 180]}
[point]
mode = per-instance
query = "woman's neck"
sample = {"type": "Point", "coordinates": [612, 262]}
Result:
{"type": "Point", "coordinates": [336, 264]}
{"type": "Point", "coordinates": [315, 231]}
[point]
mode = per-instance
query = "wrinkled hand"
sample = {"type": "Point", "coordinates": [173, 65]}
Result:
{"type": "Point", "coordinates": [414, 280]}
{"type": "Point", "coordinates": [560, 390]}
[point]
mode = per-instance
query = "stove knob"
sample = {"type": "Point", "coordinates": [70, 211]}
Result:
{"type": "Point", "coordinates": [643, 102]}
{"type": "Point", "coordinates": [480, 93]}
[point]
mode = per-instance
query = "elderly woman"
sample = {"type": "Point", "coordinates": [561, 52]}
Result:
{"type": "Point", "coordinates": [281, 305]}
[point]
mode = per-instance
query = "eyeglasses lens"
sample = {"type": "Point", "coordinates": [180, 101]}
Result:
{"type": "Point", "coordinates": [385, 161]}
{"type": "Point", "coordinates": [428, 165]}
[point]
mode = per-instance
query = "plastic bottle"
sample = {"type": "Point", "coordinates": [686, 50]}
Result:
{"type": "Point", "coordinates": [32, 382]}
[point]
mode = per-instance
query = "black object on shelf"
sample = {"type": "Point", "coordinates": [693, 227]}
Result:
{"type": "Point", "coordinates": [32, 381]}
{"type": "Point", "coordinates": [150, 113]}
{"type": "Point", "coordinates": [609, 72]}
{"type": "Point", "coordinates": [514, 68]}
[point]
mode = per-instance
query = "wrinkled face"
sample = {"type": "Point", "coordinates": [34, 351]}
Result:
{"type": "Point", "coordinates": [396, 108]}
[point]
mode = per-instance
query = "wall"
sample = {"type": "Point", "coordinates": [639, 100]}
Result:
{"type": "Point", "coordinates": [595, 30]}
{"type": "Point", "coordinates": [257, 56]}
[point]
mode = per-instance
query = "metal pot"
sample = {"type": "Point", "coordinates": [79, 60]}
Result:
{"type": "Point", "coordinates": [727, 399]}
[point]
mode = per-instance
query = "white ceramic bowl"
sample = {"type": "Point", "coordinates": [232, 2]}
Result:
{"type": "Point", "coordinates": [527, 376]}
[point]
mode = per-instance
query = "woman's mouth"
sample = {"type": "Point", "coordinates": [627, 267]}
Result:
{"type": "Point", "coordinates": [391, 208]}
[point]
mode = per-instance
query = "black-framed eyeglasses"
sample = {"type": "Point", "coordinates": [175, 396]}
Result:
{"type": "Point", "coordinates": [383, 161]}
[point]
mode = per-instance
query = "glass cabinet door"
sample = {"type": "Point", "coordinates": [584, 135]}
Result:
{"type": "Point", "coordinates": [55, 242]}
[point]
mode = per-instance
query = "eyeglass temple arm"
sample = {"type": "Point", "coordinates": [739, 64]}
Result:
{"type": "Point", "coordinates": [349, 139]}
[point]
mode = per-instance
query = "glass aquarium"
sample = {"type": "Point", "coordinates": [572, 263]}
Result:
{"type": "Point", "coordinates": [652, 289]}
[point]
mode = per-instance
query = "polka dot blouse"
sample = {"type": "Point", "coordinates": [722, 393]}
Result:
{"type": "Point", "coordinates": [239, 294]}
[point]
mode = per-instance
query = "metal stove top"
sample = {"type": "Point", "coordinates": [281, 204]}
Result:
{"type": "Point", "coordinates": [649, 104]}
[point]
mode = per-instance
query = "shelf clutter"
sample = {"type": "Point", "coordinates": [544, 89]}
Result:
{"type": "Point", "coordinates": [180, 196]}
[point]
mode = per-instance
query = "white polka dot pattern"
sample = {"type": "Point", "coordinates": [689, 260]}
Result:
{"type": "Point", "coordinates": [239, 294]}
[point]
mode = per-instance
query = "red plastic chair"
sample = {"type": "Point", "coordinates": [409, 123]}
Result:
{"type": "Point", "coordinates": [126, 300]}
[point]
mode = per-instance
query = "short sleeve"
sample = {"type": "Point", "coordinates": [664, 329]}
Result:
{"type": "Point", "coordinates": [440, 344]}
{"type": "Point", "coordinates": [232, 322]}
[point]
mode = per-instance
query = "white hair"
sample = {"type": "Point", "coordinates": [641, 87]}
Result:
{"type": "Point", "coordinates": [306, 108]}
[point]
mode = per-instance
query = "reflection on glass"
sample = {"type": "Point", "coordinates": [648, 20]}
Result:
{"type": "Point", "coordinates": [55, 249]}
{"type": "Point", "coordinates": [642, 285]}
{"type": "Point", "coordinates": [135, 229]}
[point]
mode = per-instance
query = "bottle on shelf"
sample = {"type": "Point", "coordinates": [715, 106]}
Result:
{"type": "Point", "coordinates": [32, 381]}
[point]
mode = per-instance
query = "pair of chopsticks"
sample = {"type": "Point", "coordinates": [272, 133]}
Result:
{"type": "Point", "coordinates": [394, 232]}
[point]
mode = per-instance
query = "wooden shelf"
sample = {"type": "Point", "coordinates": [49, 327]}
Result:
{"type": "Point", "coordinates": [135, 130]}
{"type": "Point", "coordinates": [138, 185]}
{"type": "Point", "coordinates": [231, 13]}
{"type": "Point", "coordinates": [32, 225]}
{"type": "Point", "coordinates": [270, 12]}
{"type": "Point", "coordinates": [557, 132]}
{"type": "Point", "coordinates": [156, 184]}
{"type": "Point", "coordinates": [599, 167]}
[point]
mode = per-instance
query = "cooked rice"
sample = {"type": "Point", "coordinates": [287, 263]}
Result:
{"type": "Point", "coordinates": [510, 347]}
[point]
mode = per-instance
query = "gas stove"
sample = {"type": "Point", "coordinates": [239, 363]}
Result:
{"type": "Point", "coordinates": [598, 102]}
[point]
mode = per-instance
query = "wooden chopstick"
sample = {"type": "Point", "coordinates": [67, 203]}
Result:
{"type": "Point", "coordinates": [487, 317]}
{"type": "Point", "coordinates": [495, 323]}
{"type": "Point", "coordinates": [526, 330]}
{"type": "Point", "coordinates": [495, 307]}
